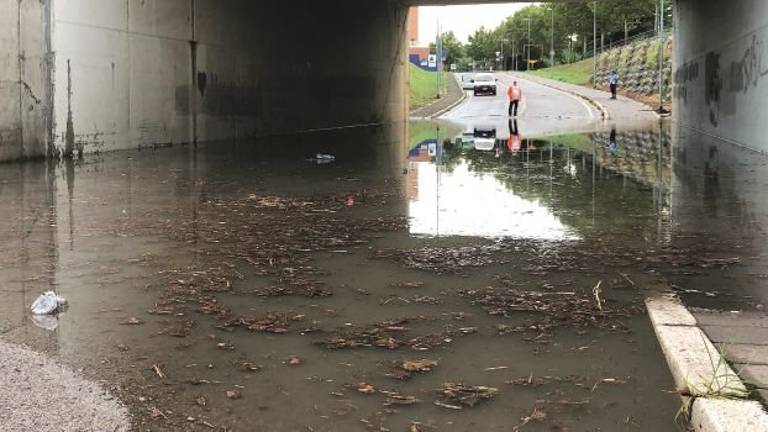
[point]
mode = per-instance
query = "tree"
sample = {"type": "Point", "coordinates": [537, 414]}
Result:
{"type": "Point", "coordinates": [453, 49]}
{"type": "Point", "coordinates": [571, 20]}
{"type": "Point", "coordinates": [483, 45]}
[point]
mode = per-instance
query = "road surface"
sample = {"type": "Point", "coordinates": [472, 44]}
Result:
{"type": "Point", "coordinates": [544, 111]}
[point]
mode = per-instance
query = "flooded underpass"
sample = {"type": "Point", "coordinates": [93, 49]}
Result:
{"type": "Point", "coordinates": [436, 279]}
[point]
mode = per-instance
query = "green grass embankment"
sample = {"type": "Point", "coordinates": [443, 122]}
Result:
{"type": "Point", "coordinates": [423, 86]}
{"type": "Point", "coordinates": [579, 73]}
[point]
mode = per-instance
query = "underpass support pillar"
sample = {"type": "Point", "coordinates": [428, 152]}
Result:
{"type": "Point", "coordinates": [721, 70]}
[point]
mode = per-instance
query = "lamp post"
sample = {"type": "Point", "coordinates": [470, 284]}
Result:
{"type": "Point", "coordinates": [552, 39]}
{"type": "Point", "coordinates": [514, 54]}
{"type": "Point", "coordinates": [439, 55]}
{"type": "Point", "coordinates": [528, 66]}
{"type": "Point", "coordinates": [661, 55]}
{"type": "Point", "coordinates": [594, 45]}
{"type": "Point", "coordinates": [503, 63]}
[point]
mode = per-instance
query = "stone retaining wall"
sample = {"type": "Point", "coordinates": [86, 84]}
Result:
{"type": "Point", "coordinates": [638, 66]}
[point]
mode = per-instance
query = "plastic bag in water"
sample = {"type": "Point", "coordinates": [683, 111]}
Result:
{"type": "Point", "coordinates": [322, 158]}
{"type": "Point", "coordinates": [48, 303]}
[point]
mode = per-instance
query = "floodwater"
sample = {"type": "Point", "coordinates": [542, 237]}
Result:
{"type": "Point", "coordinates": [301, 287]}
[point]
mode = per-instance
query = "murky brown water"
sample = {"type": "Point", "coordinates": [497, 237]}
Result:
{"type": "Point", "coordinates": [234, 258]}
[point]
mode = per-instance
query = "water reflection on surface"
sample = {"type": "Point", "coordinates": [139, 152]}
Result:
{"type": "Point", "coordinates": [559, 188]}
{"type": "Point", "coordinates": [464, 203]}
{"type": "Point", "coordinates": [113, 233]}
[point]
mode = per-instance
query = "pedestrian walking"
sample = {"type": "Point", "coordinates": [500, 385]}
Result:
{"type": "Point", "coordinates": [613, 81]}
{"type": "Point", "coordinates": [515, 94]}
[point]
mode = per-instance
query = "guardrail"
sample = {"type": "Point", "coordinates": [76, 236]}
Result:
{"type": "Point", "coordinates": [650, 34]}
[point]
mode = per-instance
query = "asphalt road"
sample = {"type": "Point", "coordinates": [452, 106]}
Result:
{"type": "Point", "coordinates": [543, 111]}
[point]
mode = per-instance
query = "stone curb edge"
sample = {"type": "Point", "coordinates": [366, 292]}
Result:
{"type": "Point", "coordinates": [690, 356]}
{"type": "Point", "coordinates": [455, 104]}
{"type": "Point", "coordinates": [442, 111]}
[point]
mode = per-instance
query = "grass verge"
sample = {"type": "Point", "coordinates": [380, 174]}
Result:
{"type": "Point", "coordinates": [423, 86]}
{"type": "Point", "coordinates": [575, 73]}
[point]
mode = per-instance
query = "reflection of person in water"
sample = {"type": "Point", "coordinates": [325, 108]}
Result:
{"type": "Point", "coordinates": [514, 143]}
{"type": "Point", "coordinates": [612, 146]}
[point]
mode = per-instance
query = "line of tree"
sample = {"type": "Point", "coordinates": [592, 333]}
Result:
{"type": "Point", "coordinates": [571, 24]}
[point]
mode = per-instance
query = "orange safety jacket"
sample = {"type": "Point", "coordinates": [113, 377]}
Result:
{"type": "Point", "coordinates": [515, 93]}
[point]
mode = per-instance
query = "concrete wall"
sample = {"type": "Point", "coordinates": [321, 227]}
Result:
{"type": "Point", "coordinates": [137, 73]}
{"type": "Point", "coordinates": [25, 103]}
{"type": "Point", "coordinates": [721, 69]}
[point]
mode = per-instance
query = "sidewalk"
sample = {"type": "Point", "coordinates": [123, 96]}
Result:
{"type": "Point", "coordinates": [623, 108]}
{"type": "Point", "coordinates": [453, 96]}
{"type": "Point", "coordinates": [743, 337]}
{"type": "Point", "coordinates": [716, 382]}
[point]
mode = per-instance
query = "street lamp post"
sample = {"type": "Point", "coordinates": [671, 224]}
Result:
{"type": "Point", "coordinates": [552, 40]}
{"type": "Point", "coordinates": [503, 63]}
{"type": "Point", "coordinates": [528, 66]}
{"type": "Point", "coordinates": [514, 54]}
{"type": "Point", "coordinates": [661, 55]}
{"type": "Point", "coordinates": [594, 45]}
{"type": "Point", "coordinates": [438, 49]}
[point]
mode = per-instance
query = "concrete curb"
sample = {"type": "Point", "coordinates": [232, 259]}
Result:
{"type": "Point", "coordinates": [453, 105]}
{"type": "Point", "coordinates": [442, 111]}
{"type": "Point", "coordinates": [701, 373]}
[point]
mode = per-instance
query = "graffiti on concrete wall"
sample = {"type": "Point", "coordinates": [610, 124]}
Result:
{"type": "Point", "coordinates": [685, 76]}
{"type": "Point", "coordinates": [219, 97]}
{"type": "Point", "coordinates": [713, 84]}
{"type": "Point", "coordinates": [724, 80]}
{"type": "Point", "coordinates": [751, 68]}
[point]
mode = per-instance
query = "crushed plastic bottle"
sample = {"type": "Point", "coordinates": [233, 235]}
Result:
{"type": "Point", "coordinates": [48, 303]}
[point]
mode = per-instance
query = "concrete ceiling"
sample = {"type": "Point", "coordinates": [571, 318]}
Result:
{"type": "Point", "coordinates": [466, 2]}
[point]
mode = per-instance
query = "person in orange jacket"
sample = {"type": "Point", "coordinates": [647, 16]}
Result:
{"type": "Point", "coordinates": [515, 94]}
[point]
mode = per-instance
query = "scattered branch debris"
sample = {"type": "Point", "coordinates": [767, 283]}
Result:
{"type": "Point", "coordinates": [458, 396]}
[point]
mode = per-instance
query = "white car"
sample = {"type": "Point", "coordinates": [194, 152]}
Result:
{"type": "Point", "coordinates": [485, 84]}
{"type": "Point", "coordinates": [468, 81]}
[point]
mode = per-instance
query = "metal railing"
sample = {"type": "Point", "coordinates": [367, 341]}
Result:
{"type": "Point", "coordinates": [650, 34]}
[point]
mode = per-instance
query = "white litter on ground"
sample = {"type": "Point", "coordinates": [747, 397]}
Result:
{"type": "Point", "coordinates": [48, 303]}
{"type": "Point", "coordinates": [38, 394]}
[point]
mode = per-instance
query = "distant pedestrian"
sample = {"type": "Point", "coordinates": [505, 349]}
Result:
{"type": "Point", "coordinates": [515, 94]}
{"type": "Point", "coordinates": [613, 81]}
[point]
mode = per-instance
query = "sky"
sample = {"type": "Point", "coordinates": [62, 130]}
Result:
{"type": "Point", "coordinates": [463, 20]}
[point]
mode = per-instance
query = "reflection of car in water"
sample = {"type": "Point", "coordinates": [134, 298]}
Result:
{"type": "Point", "coordinates": [468, 81]}
{"type": "Point", "coordinates": [485, 84]}
{"type": "Point", "coordinates": [484, 138]}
